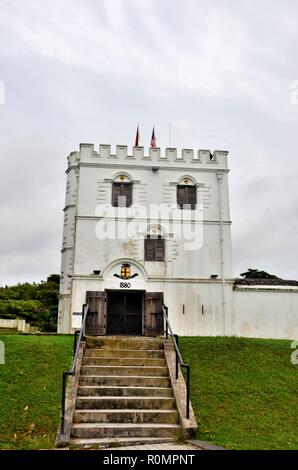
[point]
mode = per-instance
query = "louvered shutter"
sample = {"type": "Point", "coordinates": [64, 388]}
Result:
{"type": "Point", "coordinates": [122, 190]}
{"type": "Point", "coordinates": [191, 196]}
{"type": "Point", "coordinates": [115, 194]}
{"type": "Point", "coordinates": [154, 249]}
{"type": "Point", "coordinates": [149, 249]}
{"type": "Point", "coordinates": [154, 320]}
{"type": "Point", "coordinates": [127, 192]}
{"type": "Point", "coordinates": [181, 196]}
{"type": "Point", "coordinates": [187, 195]}
{"type": "Point", "coordinates": [96, 318]}
{"type": "Point", "coordinates": [159, 249]}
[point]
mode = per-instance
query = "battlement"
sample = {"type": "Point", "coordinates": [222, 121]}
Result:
{"type": "Point", "coordinates": [185, 157]}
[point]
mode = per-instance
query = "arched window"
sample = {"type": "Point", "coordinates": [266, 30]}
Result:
{"type": "Point", "coordinates": [186, 194]}
{"type": "Point", "coordinates": [154, 248]}
{"type": "Point", "coordinates": [122, 192]}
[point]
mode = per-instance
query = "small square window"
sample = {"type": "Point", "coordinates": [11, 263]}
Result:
{"type": "Point", "coordinates": [154, 249]}
{"type": "Point", "coordinates": [121, 194]}
{"type": "Point", "coordinates": [187, 196]}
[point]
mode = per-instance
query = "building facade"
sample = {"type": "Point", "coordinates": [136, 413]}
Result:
{"type": "Point", "coordinates": [142, 230]}
{"type": "Point", "coordinates": [146, 230]}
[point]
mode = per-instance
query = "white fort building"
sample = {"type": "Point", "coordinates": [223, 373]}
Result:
{"type": "Point", "coordinates": [146, 229]}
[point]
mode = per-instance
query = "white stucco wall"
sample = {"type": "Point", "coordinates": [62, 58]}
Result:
{"type": "Point", "coordinates": [195, 307]}
{"type": "Point", "coordinates": [92, 253]}
{"type": "Point", "coordinates": [266, 313]}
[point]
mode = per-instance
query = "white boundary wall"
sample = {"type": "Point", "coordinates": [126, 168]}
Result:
{"type": "Point", "coordinates": [17, 324]}
{"type": "Point", "coordinates": [266, 312]}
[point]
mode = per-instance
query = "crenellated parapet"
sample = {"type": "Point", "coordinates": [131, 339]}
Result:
{"type": "Point", "coordinates": [138, 155]}
{"type": "Point", "coordinates": [73, 158]}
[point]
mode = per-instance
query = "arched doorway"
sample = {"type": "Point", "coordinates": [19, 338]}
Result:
{"type": "Point", "coordinates": [124, 306]}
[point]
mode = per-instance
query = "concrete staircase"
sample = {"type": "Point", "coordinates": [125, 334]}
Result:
{"type": "Point", "coordinates": [124, 394]}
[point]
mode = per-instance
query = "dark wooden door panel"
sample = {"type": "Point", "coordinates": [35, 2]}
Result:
{"type": "Point", "coordinates": [154, 320]}
{"type": "Point", "coordinates": [133, 313]}
{"type": "Point", "coordinates": [96, 319]}
{"type": "Point", "coordinates": [115, 312]}
{"type": "Point", "coordinates": [125, 313]}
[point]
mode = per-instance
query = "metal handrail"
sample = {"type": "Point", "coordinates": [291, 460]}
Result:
{"type": "Point", "coordinates": [179, 360]}
{"type": "Point", "coordinates": [71, 371]}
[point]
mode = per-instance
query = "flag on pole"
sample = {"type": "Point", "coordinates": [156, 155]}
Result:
{"type": "Point", "coordinates": [137, 141]}
{"type": "Point", "coordinates": [153, 139]}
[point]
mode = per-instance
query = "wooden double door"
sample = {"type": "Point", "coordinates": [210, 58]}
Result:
{"type": "Point", "coordinates": [124, 312]}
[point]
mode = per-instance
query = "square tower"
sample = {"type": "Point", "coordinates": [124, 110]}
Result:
{"type": "Point", "coordinates": [143, 230]}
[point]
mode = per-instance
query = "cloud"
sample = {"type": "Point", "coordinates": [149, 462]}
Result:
{"type": "Point", "coordinates": [220, 72]}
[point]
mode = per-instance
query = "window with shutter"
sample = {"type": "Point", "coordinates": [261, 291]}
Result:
{"type": "Point", "coordinates": [121, 194]}
{"type": "Point", "coordinates": [186, 196]}
{"type": "Point", "coordinates": [154, 249]}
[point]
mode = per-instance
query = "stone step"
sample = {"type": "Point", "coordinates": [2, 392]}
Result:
{"type": "Point", "coordinates": [123, 342]}
{"type": "Point", "coordinates": [124, 391]}
{"type": "Point", "coordinates": [125, 381]}
{"type": "Point", "coordinates": [125, 370]}
{"type": "Point", "coordinates": [126, 416]}
{"type": "Point", "coordinates": [104, 430]}
{"type": "Point", "coordinates": [151, 353]}
{"type": "Point", "coordinates": [124, 395]}
{"type": "Point", "coordinates": [117, 442]}
{"type": "Point", "coordinates": [136, 403]}
{"type": "Point", "coordinates": [123, 361]}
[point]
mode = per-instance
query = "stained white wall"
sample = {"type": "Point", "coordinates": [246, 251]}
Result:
{"type": "Point", "coordinates": [202, 301]}
{"type": "Point", "coordinates": [258, 313]}
{"type": "Point", "coordinates": [92, 253]}
{"type": "Point", "coordinates": [266, 313]}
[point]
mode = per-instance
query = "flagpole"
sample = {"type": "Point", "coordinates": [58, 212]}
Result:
{"type": "Point", "coordinates": [170, 136]}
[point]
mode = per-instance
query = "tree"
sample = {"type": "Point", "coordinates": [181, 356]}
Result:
{"type": "Point", "coordinates": [37, 303]}
{"type": "Point", "coordinates": [257, 274]}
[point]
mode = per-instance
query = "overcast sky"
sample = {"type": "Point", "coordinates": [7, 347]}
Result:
{"type": "Point", "coordinates": [87, 71]}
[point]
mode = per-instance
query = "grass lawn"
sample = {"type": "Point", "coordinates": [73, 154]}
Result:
{"type": "Point", "coordinates": [244, 392]}
{"type": "Point", "coordinates": [30, 389]}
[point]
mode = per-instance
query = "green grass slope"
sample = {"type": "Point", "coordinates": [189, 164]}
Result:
{"type": "Point", "coordinates": [244, 392]}
{"type": "Point", "coordinates": [30, 389]}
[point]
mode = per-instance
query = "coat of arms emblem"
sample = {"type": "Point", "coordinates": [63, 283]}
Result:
{"type": "Point", "coordinates": [125, 272]}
